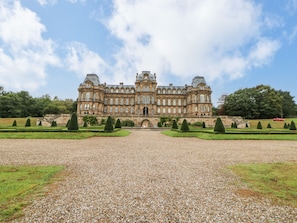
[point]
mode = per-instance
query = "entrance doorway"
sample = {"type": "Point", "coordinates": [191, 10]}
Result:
{"type": "Point", "coordinates": [146, 124]}
{"type": "Point", "coordinates": [145, 111]}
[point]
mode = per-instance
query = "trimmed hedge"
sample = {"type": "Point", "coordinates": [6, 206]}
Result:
{"type": "Point", "coordinates": [184, 127]}
{"type": "Point", "coordinates": [292, 125]}
{"type": "Point", "coordinates": [28, 123]}
{"type": "Point", "coordinates": [259, 125]}
{"type": "Point", "coordinates": [73, 124]}
{"type": "Point", "coordinates": [118, 124]}
{"type": "Point", "coordinates": [108, 126]}
{"type": "Point", "coordinates": [174, 125]}
{"type": "Point", "coordinates": [219, 126]}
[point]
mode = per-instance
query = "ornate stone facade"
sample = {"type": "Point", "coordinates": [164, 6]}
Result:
{"type": "Point", "coordinates": [144, 99]}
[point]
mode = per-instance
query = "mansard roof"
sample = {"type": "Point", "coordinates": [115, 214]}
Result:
{"type": "Point", "coordinates": [197, 81]}
{"type": "Point", "coordinates": [145, 75]}
{"type": "Point", "coordinates": [93, 78]}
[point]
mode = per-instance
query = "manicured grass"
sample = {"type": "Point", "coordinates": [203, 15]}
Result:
{"type": "Point", "coordinates": [19, 185]}
{"type": "Point", "coordinates": [277, 181]}
{"type": "Point", "coordinates": [7, 122]}
{"type": "Point", "coordinates": [274, 124]}
{"type": "Point", "coordinates": [235, 134]}
{"type": "Point", "coordinates": [62, 135]}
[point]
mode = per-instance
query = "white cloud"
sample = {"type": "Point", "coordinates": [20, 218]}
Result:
{"type": "Point", "coordinates": [52, 2]}
{"type": "Point", "coordinates": [262, 52]}
{"type": "Point", "coordinates": [45, 2]}
{"type": "Point", "coordinates": [215, 38]}
{"type": "Point", "coordinates": [83, 61]}
{"type": "Point", "coordinates": [292, 5]}
{"type": "Point", "coordinates": [24, 54]}
{"type": "Point", "coordinates": [292, 36]}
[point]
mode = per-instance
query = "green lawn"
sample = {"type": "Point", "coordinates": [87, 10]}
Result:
{"type": "Point", "coordinates": [19, 185]}
{"type": "Point", "coordinates": [236, 134]}
{"type": "Point", "coordinates": [277, 181]}
{"type": "Point", "coordinates": [83, 134]}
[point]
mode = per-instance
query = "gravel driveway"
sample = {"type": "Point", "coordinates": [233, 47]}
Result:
{"type": "Point", "coordinates": [149, 177]}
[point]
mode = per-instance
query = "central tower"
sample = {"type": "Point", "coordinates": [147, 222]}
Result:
{"type": "Point", "coordinates": [145, 94]}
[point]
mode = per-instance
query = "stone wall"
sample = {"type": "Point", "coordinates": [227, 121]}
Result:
{"type": "Point", "coordinates": [151, 122]}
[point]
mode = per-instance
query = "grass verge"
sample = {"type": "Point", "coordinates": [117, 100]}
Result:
{"type": "Point", "coordinates": [208, 134]}
{"type": "Point", "coordinates": [19, 184]}
{"type": "Point", "coordinates": [61, 134]}
{"type": "Point", "coordinates": [276, 181]}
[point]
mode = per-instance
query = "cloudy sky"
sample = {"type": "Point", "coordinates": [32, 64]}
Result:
{"type": "Point", "coordinates": [48, 46]}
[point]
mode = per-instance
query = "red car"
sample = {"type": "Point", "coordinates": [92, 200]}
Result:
{"type": "Point", "coordinates": [278, 119]}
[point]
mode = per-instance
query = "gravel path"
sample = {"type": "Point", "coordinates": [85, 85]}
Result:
{"type": "Point", "coordinates": [149, 177]}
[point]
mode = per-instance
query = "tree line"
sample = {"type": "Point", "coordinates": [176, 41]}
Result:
{"type": "Point", "coordinates": [22, 104]}
{"type": "Point", "coordinates": [258, 102]}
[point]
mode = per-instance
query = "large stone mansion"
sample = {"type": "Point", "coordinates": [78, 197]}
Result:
{"type": "Point", "coordinates": [144, 99]}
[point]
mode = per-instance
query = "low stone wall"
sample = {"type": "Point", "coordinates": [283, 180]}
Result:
{"type": "Point", "coordinates": [147, 121]}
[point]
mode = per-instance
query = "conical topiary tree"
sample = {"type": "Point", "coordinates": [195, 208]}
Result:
{"type": "Point", "coordinates": [203, 125]}
{"type": "Point", "coordinates": [285, 126]}
{"type": "Point", "coordinates": [174, 125]}
{"type": "Point", "coordinates": [28, 123]}
{"type": "Point", "coordinates": [118, 124]}
{"type": "Point", "coordinates": [235, 125]}
{"type": "Point", "coordinates": [268, 126]}
{"type": "Point", "coordinates": [232, 125]}
{"type": "Point", "coordinates": [108, 125]}
{"type": "Point", "coordinates": [14, 123]}
{"type": "Point", "coordinates": [73, 124]}
{"type": "Point", "coordinates": [219, 126]}
{"type": "Point", "coordinates": [292, 126]}
{"type": "Point", "coordinates": [67, 124]}
{"type": "Point", "coordinates": [85, 124]}
{"type": "Point", "coordinates": [184, 127]}
{"type": "Point", "coordinates": [259, 125]}
{"type": "Point", "coordinates": [40, 123]}
{"type": "Point", "coordinates": [53, 124]}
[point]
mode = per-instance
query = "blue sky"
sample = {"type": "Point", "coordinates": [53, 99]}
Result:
{"type": "Point", "coordinates": [48, 46]}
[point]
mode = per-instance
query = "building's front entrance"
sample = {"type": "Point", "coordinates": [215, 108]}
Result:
{"type": "Point", "coordinates": [146, 124]}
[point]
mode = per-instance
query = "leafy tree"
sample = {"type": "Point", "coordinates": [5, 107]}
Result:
{"type": "Point", "coordinates": [174, 124]}
{"type": "Point", "coordinates": [22, 104]}
{"type": "Point", "coordinates": [219, 126]}
{"type": "Point", "coordinates": [73, 124]}
{"type": "Point", "coordinates": [184, 126]}
{"type": "Point", "coordinates": [92, 120]}
{"type": "Point", "coordinates": [118, 124]}
{"type": "Point", "coordinates": [292, 126]}
{"type": "Point", "coordinates": [14, 123]}
{"type": "Point", "coordinates": [288, 104]}
{"type": "Point", "coordinates": [268, 126]}
{"type": "Point", "coordinates": [108, 126]}
{"type": "Point", "coordinates": [28, 123]}
{"type": "Point", "coordinates": [159, 124]}
{"type": "Point", "coordinates": [259, 125]}
{"type": "Point", "coordinates": [254, 103]}
{"type": "Point", "coordinates": [102, 122]}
